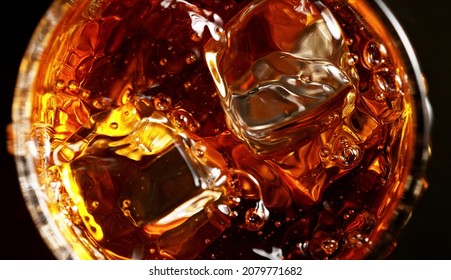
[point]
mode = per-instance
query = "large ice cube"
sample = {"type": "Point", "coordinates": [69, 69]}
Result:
{"type": "Point", "coordinates": [133, 162]}
{"type": "Point", "coordinates": [280, 71]}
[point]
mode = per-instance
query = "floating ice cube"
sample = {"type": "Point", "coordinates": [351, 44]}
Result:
{"type": "Point", "coordinates": [132, 160]}
{"type": "Point", "coordinates": [280, 70]}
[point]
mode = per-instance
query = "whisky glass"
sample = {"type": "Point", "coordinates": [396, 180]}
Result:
{"type": "Point", "coordinates": [132, 126]}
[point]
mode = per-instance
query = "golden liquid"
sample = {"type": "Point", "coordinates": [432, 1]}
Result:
{"type": "Point", "coordinates": [137, 143]}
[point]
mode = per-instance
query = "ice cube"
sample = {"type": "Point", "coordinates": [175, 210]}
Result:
{"type": "Point", "coordinates": [280, 72]}
{"type": "Point", "coordinates": [137, 163]}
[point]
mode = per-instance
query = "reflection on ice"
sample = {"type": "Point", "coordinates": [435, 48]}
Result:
{"type": "Point", "coordinates": [276, 94]}
{"type": "Point", "coordinates": [291, 97]}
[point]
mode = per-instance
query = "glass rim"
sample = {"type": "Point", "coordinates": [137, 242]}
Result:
{"type": "Point", "coordinates": [34, 198]}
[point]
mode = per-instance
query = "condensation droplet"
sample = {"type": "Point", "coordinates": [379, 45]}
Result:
{"type": "Point", "coordinates": [163, 61]}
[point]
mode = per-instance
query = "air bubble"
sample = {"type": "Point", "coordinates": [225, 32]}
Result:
{"type": "Point", "coordinates": [66, 154]}
{"type": "Point", "coordinates": [329, 246]}
{"type": "Point", "coordinates": [162, 102]}
{"type": "Point", "coordinates": [101, 103]}
{"type": "Point", "coordinates": [306, 78]}
{"type": "Point", "coordinates": [95, 204]}
{"type": "Point", "coordinates": [357, 239]}
{"type": "Point", "coordinates": [380, 96]}
{"type": "Point", "coordinates": [126, 95]}
{"type": "Point", "coordinates": [126, 203]}
{"type": "Point", "coordinates": [190, 58]}
{"type": "Point", "coordinates": [246, 183]}
{"type": "Point", "coordinates": [254, 220]}
{"type": "Point", "coordinates": [349, 155]}
{"type": "Point", "coordinates": [126, 212]}
{"type": "Point", "coordinates": [348, 214]}
{"type": "Point", "coordinates": [332, 119]}
{"type": "Point", "coordinates": [374, 54]}
{"type": "Point", "coordinates": [163, 61]}
{"type": "Point", "coordinates": [183, 120]}
{"type": "Point", "coordinates": [85, 94]}
{"type": "Point", "coordinates": [60, 85]}
{"type": "Point", "coordinates": [72, 86]}
{"type": "Point", "coordinates": [229, 7]}
{"type": "Point", "coordinates": [386, 80]}
{"type": "Point", "coordinates": [218, 30]}
{"type": "Point", "coordinates": [343, 140]}
{"type": "Point", "coordinates": [114, 125]}
{"type": "Point", "coordinates": [187, 85]}
{"type": "Point", "coordinates": [196, 37]}
{"type": "Point", "coordinates": [198, 150]}
{"type": "Point", "coordinates": [324, 152]}
{"type": "Point", "coordinates": [351, 59]}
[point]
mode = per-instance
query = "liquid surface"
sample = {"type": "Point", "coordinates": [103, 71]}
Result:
{"type": "Point", "coordinates": [221, 130]}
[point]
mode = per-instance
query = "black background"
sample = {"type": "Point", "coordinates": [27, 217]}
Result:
{"type": "Point", "coordinates": [427, 236]}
